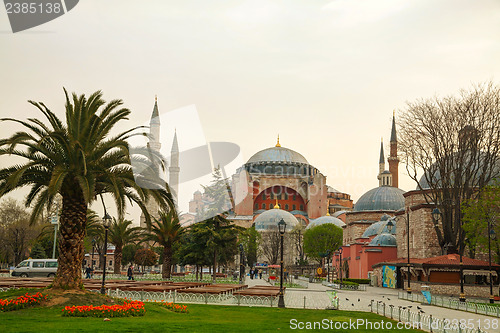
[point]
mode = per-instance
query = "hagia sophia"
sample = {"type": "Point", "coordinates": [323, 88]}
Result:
{"type": "Point", "coordinates": [281, 183]}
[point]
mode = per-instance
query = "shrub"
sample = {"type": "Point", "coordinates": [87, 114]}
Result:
{"type": "Point", "coordinates": [359, 281]}
{"type": "Point", "coordinates": [346, 283]}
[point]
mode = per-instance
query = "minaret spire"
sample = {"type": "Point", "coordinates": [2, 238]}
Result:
{"type": "Point", "coordinates": [154, 128]}
{"type": "Point", "coordinates": [174, 169]}
{"type": "Point", "coordinates": [278, 143]}
{"type": "Point", "coordinates": [393, 157]}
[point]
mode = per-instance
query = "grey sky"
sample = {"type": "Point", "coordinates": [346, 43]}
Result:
{"type": "Point", "coordinates": [325, 75]}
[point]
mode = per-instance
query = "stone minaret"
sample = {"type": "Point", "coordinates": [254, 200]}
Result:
{"type": "Point", "coordinates": [155, 145]}
{"type": "Point", "coordinates": [393, 157]}
{"type": "Point", "coordinates": [173, 177]}
{"type": "Point", "coordinates": [381, 165]}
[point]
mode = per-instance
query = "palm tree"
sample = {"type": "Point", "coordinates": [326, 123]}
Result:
{"type": "Point", "coordinates": [80, 160]}
{"type": "Point", "coordinates": [166, 231]}
{"type": "Point", "coordinates": [119, 235]}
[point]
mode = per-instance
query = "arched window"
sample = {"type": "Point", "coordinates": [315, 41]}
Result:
{"type": "Point", "coordinates": [263, 196]}
{"type": "Point", "coordinates": [294, 207]}
{"type": "Point", "coordinates": [286, 196]}
{"type": "Point", "coordinates": [256, 206]}
{"type": "Point", "coordinates": [286, 207]}
{"type": "Point", "coordinates": [294, 197]}
{"type": "Point", "coordinates": [272, 195]}
{"type": "Point", "coordinates": [302, 207]}
{"type": "Point", "coordinates": [263, 206]}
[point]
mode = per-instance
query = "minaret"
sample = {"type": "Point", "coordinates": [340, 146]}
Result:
{"type": "Point", "coordinates": [393, 157]}
{"type": "Point", "coordinates": [155, 145]}
{"type": "Point", "coordinates": [381, 163]}
{"type": "Point", "coordinates": [154, 129]}
{"type": "Point", "coordinates": [173, 177]}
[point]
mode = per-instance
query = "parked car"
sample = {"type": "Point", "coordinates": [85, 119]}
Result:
{"type": "Point", "coordinates": [36, 267]}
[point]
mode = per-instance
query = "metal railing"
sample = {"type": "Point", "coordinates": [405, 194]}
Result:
{"type": "Point", "coordinates": [317, 300]}
{"type": "Point", "coordinates": [453, 303]}
{"type": "Point", "coordinates": [420, 320]}
{"type": "Point", "coordinates": [361, 287]}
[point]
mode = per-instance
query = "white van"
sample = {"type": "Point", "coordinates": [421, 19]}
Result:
{"type": "Point", "coordinates": [36, 267]}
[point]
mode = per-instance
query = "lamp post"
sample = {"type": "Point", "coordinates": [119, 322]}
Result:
{"type": "Point", "coordinates": [328, 266]}
{"type": "Point", "coordinates": [408, 247]}
{"type": "Point", "coordinates": [242, 264]}
{"type": "Point", "coordinates": [281, 228]}
{"type": "Point", "coordinates": [491, 235]}
{"type": "Point", "coordinates": [106, 221]}
{"type": "Point", "coordinates": [93, 250]}
{"type": "Point", "coordinates": [340, 265]}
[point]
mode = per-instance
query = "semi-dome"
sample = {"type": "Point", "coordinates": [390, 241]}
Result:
{"type": "Point", "coordinates": [326, 219]}
{"type": "Point", "coordinates": [380, 227]}
{"type": "Point", "coordinates": [268, 220]}
{"type": "Point", "coordinates": [383, 240]}
{"type": "Point", "coordinates": [278, 154]}
{"type": "Point", "coordinates": [381, 198]}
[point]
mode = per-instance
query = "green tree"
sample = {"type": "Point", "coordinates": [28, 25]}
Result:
{"type": "Point", "coordinates": [121, 233]}
{"type": "Point", "coordinates": [324, 238]}
{"type": "Point", "coordinates": [80, 160]}
{"type": "Point", "coordinates": [166, 231]}
{"type": "Point", "coordinates": [128, 254]}
{"type": "Point", "coordinates": [250, 238]}
{"type": "Point", "coordinates": [222, 240]}
{"type": "Point", "coordinates": [193, 248]}
{"type": "Point", "coordinates": [478, 213]}
{"type": "Point", "coordinates": [37, 251]}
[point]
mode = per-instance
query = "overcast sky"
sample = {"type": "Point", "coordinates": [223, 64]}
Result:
{"type": "Point", "coordinates": [325, 75]}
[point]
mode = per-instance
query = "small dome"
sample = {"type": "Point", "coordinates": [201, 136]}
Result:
{"type": "Point", "coordinates": [385, 217]}
{"type": "Point", "coordinates": [380, 227]}
{"type": "Point", "coordinates": [383, 240]}
{"type": "Point", "coordinates": [381, 198]}
{"type": "Point", "coordinates": [268, 220]}
{"type": "Point", "coordinates": [277, 154]}
{"type": "Point", "coordinates": [326, 219]}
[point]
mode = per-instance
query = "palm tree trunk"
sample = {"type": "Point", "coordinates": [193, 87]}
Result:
{"type": "Point", "coordinates": [118, 260]}
{"type": "Point", "coordinates": [71, 234]}
{"type": "Point", "coordinates": [167, 262]}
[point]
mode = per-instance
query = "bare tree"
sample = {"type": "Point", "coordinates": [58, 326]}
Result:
{"type": "Point", "coordinates": [270, 246]}
{"type": "Point", "coordinates": [451, 148]}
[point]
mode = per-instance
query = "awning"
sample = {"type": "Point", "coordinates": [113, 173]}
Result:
{"type": "Point", "coordinates": [479, 272]}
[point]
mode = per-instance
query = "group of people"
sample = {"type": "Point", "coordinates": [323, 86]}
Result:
{"type": "Point", "coordinates": [254, 272]}
{"type": "Point", "coordinates": [89, 270]}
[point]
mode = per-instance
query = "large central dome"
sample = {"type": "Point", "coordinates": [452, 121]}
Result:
{"type": "Point", "coordinates": [277, 154]}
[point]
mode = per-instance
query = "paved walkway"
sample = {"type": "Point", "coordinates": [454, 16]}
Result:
{"type": "Point", "coordinates": [360, 301]}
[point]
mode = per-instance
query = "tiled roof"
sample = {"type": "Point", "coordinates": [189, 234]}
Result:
{"type": "Point", "coordinates": [445, 260]}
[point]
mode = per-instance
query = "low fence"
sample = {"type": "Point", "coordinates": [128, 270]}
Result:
{"type": "Point", "coordinates": [311, 300]}
{"type": "Point", "coordinates": [361, 287]}
{"type": "Point", "coordinates": [452, 303]}
{"type": "Point", "coordinates": [422, 321]}
{"type": "Point", "coordinates": [157, 277]}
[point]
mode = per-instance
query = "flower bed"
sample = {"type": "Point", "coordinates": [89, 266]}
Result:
{"type": "Point", "coordinates": [133, 308]}
{"type": "Point", "coordinates": [175, 307]}
{"type": "Point", "coordinates": [22, 302]}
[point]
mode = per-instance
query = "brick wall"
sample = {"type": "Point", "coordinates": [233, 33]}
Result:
{"type": "Point", "coordinates": [453, 289]}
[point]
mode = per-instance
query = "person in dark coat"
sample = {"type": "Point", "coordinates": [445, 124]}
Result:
{"type": "Point", "coordinates": [130, 272]}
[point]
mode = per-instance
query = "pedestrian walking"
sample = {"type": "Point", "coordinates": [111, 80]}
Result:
{"type": "Point", "coordinates": [88, 272]}
{"type": "Point", "coordinates": [130, 272]}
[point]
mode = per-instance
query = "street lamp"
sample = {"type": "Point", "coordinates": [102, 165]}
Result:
{"type": "Point", "coordinates": [242, 263]}
{"type": "Point", "coordinates": [281, 229]}
{"type": "Point", "coordinates": [93, 250]}
{"type": "Point", "coordinates": [106, 222]}
{"type": "Point", "coordinates": [491, 235]}
{"type": "Point", "coordinates": [408, 246]}
{"type": "Point", "coordinates": [340, 265]}
{"type": "Point", "coordinates": [389, 225]}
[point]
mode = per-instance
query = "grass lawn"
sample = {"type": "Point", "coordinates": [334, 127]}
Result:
{"type": "Point", "coordinates": [201, 318]}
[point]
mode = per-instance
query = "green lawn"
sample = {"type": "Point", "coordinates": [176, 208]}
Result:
{"type": "Point", "coordinates": [201, 318]}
